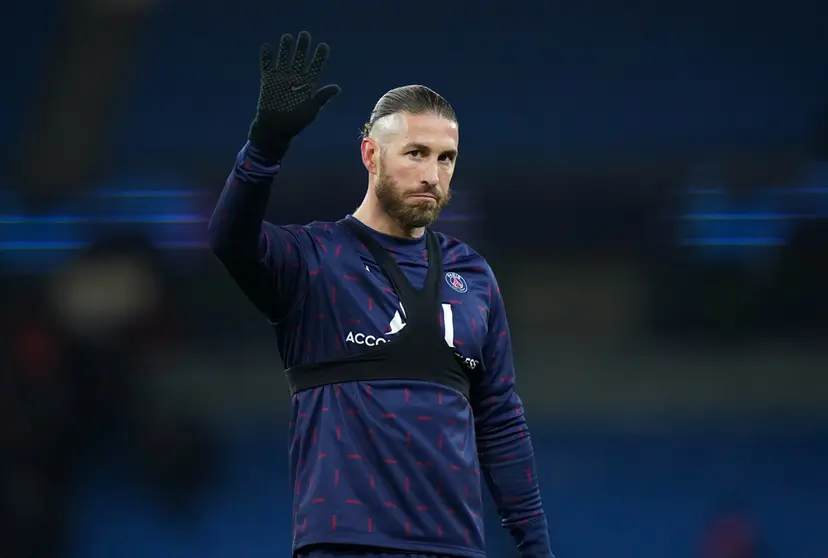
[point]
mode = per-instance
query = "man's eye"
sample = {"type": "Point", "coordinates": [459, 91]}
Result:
{"type": "Point", "coordinates": [415, 153]}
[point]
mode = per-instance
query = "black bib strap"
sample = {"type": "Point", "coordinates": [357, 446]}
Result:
{"type": "Point", "coordinates": [409, 296]}
{"type": "Point", "coordinates": [432, 288]}
{"type": "Point", "coordinates": [387, 364]}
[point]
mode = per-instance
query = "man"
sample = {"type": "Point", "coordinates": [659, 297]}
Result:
{"type": "Point", "coordinates": [394, 337]}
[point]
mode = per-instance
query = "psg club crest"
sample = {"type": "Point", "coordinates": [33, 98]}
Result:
{"type": "Point", "coordinates": [456, 282]}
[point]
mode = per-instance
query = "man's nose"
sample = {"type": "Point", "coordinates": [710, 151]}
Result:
{"type": "Point", "coordinates": [431, 176]}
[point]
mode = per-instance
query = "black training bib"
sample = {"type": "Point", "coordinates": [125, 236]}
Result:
{"type": "Point", "coordinates": [417, 352]}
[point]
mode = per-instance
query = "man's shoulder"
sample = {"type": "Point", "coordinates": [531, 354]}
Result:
{"type": "Point", "coordinates": [460, 254]}
{"type": "Point", "coordinates": [317, 230]}
{"type": "Point", "coordinates": [313, 239]}
{"type": "Point", "coordinates": [324, 228]}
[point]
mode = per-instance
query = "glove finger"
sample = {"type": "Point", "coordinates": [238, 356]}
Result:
{"type": "Point", "coordinates": [303, 43]}
{"type": "Point", "coordinates": [325, 94]}
{"type": "Point", "coordinates": [285, 53]}
{"type": "Point", "coordinates": [266, 57]}
{"type": "Point", "coordinates": [320, 56]}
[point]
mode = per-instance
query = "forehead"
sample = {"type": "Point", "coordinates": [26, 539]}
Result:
{"type": "Point", "coordinates": [430, 129]}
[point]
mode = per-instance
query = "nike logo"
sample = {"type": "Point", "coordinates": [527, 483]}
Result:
{"type": "Point", "coordinates": [299, 87]}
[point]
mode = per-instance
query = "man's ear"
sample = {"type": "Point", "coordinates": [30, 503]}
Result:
{"type": "Point", "coordinates": [370, 152]}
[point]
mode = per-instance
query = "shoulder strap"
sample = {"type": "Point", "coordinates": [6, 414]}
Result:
{"type": "Point", "coordinates": [407, 293]}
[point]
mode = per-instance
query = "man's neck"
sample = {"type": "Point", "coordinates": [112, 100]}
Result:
{"type": "Point", "coordinates": [372, 216]}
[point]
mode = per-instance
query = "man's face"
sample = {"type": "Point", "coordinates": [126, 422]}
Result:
{"type": "Point", "coordinates": [415, 167]}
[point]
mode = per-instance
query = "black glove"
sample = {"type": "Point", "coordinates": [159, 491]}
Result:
{"type": "Point", "coordinates": [288, 99]}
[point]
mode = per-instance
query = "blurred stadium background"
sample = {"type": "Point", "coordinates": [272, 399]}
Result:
{"type": "Point", "coordinates": [649, 180]}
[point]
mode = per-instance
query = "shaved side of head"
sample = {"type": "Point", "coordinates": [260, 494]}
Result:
{"type": "Point", "coordinates": [388, 128]}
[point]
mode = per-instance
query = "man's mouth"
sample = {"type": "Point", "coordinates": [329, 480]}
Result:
{"type": "Point", "coordinates": [430, 197]}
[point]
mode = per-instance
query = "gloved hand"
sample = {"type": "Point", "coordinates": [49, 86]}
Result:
{"type": "Point", "coordinates": [288, 99]}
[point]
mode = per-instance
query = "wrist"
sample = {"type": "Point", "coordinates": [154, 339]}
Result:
{"type": "Point", "coordinates": [266, 145]}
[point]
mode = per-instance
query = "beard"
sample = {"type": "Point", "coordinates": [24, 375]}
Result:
{"type": "Point", "coordinates": [406, 214]}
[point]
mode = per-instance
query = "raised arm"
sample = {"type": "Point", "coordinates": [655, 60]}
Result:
{"type": "Point", "coordinates": [269, 262]}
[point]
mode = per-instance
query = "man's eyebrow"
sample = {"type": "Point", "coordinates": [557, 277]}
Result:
{"type": "Point", "coordinates": [418, 146]}
{"type": "Point", "coordinates": [427, 149]}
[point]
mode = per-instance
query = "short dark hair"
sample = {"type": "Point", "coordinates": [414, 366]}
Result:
{"type": "Point", "coordinates": [413, 99]}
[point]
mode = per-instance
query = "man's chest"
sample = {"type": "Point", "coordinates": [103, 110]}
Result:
{"type": "Point", "coordinates": [352, 299]}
